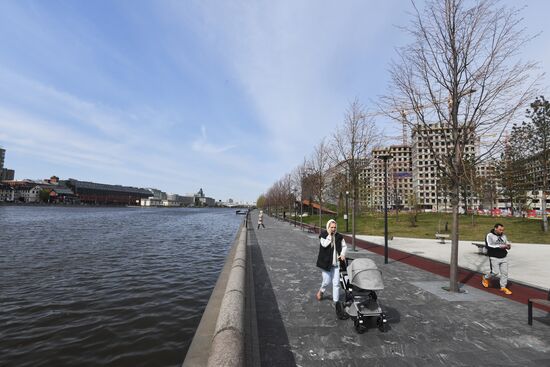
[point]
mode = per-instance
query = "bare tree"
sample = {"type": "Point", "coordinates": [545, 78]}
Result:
{"type": "Point", "coordinates": [352, 147]}
{"type": "Point", "coordinates": [510, 169]}
{"type": "Point", "coordinates": [318, 167]}
{"type": "Point", "coordinates": [269, 200]}
{"type": "Point", "coordinates": [287, 194]}
{"type": "Point", "coordinates": [261, 202]}
{"type": "Point", "coordinates": [299, 175]}
{"type": "Point", "coordinates": [531, 141]}
{"type": "Point", "coordinates": [459, 76]}
{"type": "Point", "coordinates": [277, 197]}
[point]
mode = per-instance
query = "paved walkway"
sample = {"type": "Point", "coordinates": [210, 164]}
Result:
{"type": "Point", "coordinates": [428, 326]}
{"type": "Point", "coordinates": [528, 262]}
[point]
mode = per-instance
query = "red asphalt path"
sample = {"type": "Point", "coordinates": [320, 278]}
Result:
{"type": "Point", "coordinates": [521, 293]}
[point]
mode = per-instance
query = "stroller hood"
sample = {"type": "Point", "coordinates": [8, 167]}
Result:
{"type": "Point", "coordinates": [364, 274]}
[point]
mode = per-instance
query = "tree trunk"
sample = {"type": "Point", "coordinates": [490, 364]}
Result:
{"type": "Point", "coordinates": [543, 210]}
{"type": "Point", "coordinates": [354, 212]}
{"type": "Point", "coordinates": [453, 276]}
{"type": "Point", "coordinates": [396, 209]}
{"type": "Point", "coordinates": [320, 213]}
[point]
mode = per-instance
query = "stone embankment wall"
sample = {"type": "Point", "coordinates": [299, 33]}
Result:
{"type": "Point", "coordinates": [220, 337]}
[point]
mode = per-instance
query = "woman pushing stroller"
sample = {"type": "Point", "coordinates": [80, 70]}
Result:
{"type": "Point", "coordinates": [331, 250]}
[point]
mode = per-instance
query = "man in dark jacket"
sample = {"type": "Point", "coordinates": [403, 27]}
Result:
{"type": "Point", "coordinates": [497, 248]}
{"type": "Point", "coordinates": [332, 248]}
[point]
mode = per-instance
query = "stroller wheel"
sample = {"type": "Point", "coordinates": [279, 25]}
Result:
{"type": "Point", "coordinates": [340, 311]}
{"type": "Point", "coordinates": [382, 323]}
{"type": "Point", "coordinates": [359, 327]}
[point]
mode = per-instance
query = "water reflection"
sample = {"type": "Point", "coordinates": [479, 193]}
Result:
{"type": "Point", "coordinates": [106, 286]}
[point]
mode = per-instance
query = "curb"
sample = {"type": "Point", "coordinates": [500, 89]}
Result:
{"type": "Point", "coordinates": [220, 333]}
{"type": "Point", "coordinates": [522, 293]}
{"type": "Point", "coordinates": [228, 341]}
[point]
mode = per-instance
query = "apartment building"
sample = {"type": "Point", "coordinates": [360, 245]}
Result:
{"type": "Point", "coordinates": [5, 173]}
{"type": "Point", "coordinates": [527, 186]}
{"type": "Point", "coordinates": [415, 180]}
{"type": "Point", "coordinates": [399, 171]}
{"type": "Point", "coordinates": [430, 143]}
{"type": "Point", "coordinates": [413, 176]}
{"type": "Point", "coordinates": [2, 157]}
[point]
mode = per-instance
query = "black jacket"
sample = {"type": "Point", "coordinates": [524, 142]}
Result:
{"type": "Point", "coordinates": [324, 259]}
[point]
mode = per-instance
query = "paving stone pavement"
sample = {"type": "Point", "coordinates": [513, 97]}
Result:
{"type": "Point", "coordinates": [427, 327]}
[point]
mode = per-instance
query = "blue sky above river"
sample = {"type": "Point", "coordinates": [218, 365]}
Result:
{"type": "Point", "coordinates": [178, 95]}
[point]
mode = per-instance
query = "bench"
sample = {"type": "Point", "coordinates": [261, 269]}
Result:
{"type": "Point", "coordinates": [481, 249]}
{"type": "Point", "coordinates": [441, 237]}
{"type": "Point", "coordinates": [538, 301]}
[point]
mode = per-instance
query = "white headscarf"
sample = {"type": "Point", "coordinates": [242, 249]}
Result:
{"type": "Point", "coordinates": [330, 221]}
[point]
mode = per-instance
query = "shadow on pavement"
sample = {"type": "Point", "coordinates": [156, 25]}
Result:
{"type": "Point", "coordinates": [393, 316]}
{"type": "Point", "coordinates": [274, 346]}
{"type": "Point", "coordinates": [543, 319]}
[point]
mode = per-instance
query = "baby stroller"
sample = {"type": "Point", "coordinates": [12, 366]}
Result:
{"type": "Point", "coordinates": [361, 302]}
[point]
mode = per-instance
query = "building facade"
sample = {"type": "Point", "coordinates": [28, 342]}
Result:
{"type": "Point", "coordinates": [7, 174]}
{"type": "Point", "coordinates": [399, 184]}
{"type": "Point", "coordinates": [526, 191]}
{"type": "Point", "coordinates": [104, 194]}
{"type": "Point", "coordinates": [7, 193]}
{"type": "Point", "coordinates": [428, 184]}
{"type": "Point", "coordinates": [29, 193]}
{"type": "Point", "coordinates": [414, 180]}
{"type": "Point", "coordinates": [2, 157]}
{"type": "Point", "coordinates": [178, 200]}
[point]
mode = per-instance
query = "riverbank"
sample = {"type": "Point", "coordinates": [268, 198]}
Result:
{"type": "Point", "coordinates": [220, 336]}
{"type": "Point", "coordinates": [427, 326]}
{"type": "Point", "coordinates": [84, 205]}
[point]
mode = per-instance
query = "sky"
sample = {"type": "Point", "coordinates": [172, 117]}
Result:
{"type": "Point", "coordinates": [227, 96]}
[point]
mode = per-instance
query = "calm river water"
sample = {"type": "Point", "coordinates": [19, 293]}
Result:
{"type": "Point", "coordinates": [106, 286]}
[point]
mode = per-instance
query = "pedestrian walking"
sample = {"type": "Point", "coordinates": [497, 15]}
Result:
{"type": "Point", "coordinates": [332, 248]}
{"type": "Point", "coordinates": [261, 219]}
{"type": "Point", "coordinates": [497, 249]}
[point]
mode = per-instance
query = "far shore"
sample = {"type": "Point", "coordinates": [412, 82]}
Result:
{"type": "Point", "coordinates": [3, 203]}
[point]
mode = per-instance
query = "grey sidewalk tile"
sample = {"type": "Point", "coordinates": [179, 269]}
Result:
{"type": "Point", "coordinates": [427, 327]}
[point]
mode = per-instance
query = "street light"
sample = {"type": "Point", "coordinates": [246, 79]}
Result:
{"type": "Point", "coordinates": [301, 211]}
{"type": "Point", "coordinates": [294, 191]}
{"type": "Point", "coordinates": [385, 158]}
{"type": "Point", "coordinates": [346, 215]}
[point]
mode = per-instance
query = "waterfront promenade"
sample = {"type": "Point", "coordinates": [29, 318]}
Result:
{"type": "Point", "coordinates": [428, 326]}
{"type": "Point", "coordinates": [528, 261]}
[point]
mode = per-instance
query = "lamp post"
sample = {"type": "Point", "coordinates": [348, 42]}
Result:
{"type": "Point", "coordinates": [294, 191]}
{"type": "Point", "coordinates": [385, 158]}
{"type": "Point", "coordinates": [437, 192]}
{"type": "Point", "coordinates": [301, 212]}
{"type": "Point", "coordinates": [346, 215]}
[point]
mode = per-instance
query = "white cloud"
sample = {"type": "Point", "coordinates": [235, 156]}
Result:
{"type": "Point", "coordinates": [201, 144]}
{"type": "Point", "coordinates": [267, 80]}
{"type": "Point", "coordinates": [125, 147]}
{"type": "Point", "coordinates": [290, 59]}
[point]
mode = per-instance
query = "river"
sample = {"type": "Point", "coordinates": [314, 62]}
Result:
{"type": "Point", "coordinates": [106, 286]}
